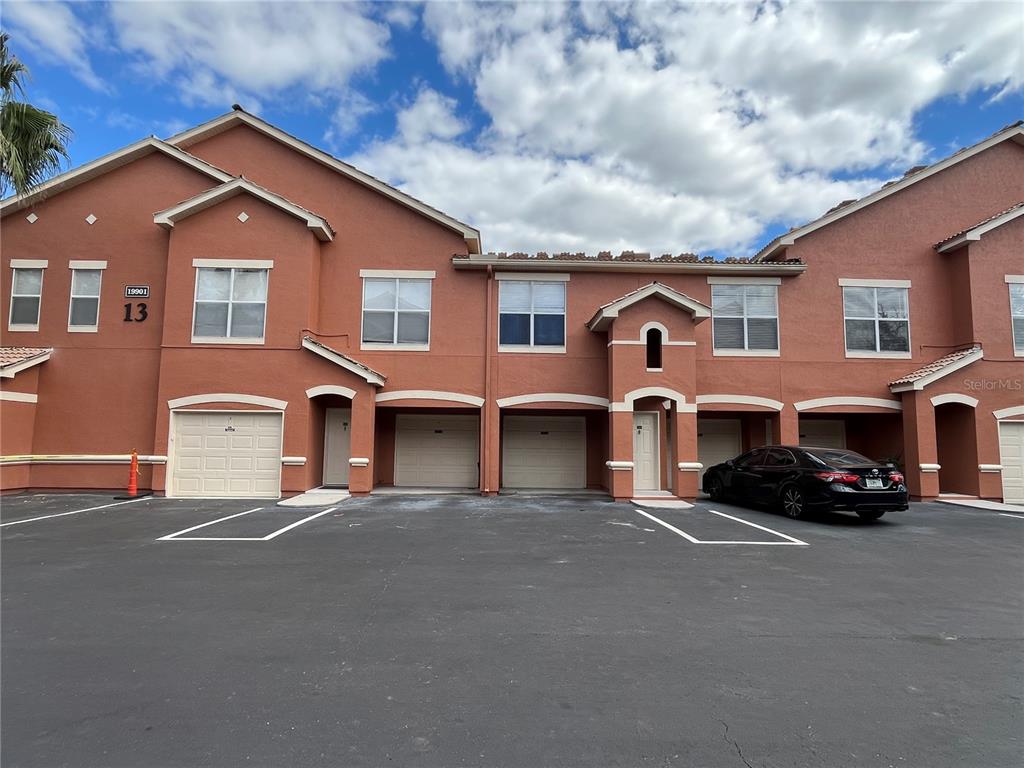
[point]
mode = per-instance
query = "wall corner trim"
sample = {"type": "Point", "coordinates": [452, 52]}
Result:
{"type": "Point", "coordinates": [930, 467]}
{"type": "Point", "coordinates": [359, 461]}
{"type": "Point", "coordinates": [990, 467]}
{"type": "Point", "coordinates": [690, 466]}
{"type": "Point", "coordinates": [227, 397]}
{"type": "Point", "coordinates": [618, 466]}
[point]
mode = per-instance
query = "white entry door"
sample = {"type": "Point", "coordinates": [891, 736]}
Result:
{"type": "Point", "coordinates": [1011, 456]}
{"type": "Point", "coordinates": [437, 451]}
{"type": "Point", "coordinates": [337, 445]}
{"type": "Point", "coordinates": [645, 452]}
{"type": "Point", "coordinates": [226, 453]}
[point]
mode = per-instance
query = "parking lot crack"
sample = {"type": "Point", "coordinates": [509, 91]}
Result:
{"type": "Point", "coordinates": [735, 744]}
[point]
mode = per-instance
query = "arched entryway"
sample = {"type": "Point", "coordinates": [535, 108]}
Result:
{"type": "Point", "coordinates": [957, 443]}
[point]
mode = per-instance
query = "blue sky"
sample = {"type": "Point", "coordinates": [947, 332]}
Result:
{"type": "Point", "coordinates": [650, 126]}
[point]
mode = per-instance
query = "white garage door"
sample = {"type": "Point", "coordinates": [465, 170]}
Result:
{"type": "Point", "coordinates": [437, 451]}
{"type": "Point", "coordinates": [227, 453]}
{"type": "Point", "coordinates": [823, 433]}
{"type": "Point", "coordinates": [544, 452]}
{"type": "Point", "coordinates": [717, 441]}
{"type": "Point", "coordinates": [1011, 456]}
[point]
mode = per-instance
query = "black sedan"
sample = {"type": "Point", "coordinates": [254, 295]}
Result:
{"type": "Point", "coordinates": [799, 480]}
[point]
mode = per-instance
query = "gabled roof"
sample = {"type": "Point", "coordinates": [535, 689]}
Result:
{"type": "Point", "coordinates": [15, 359]}
{"type": "Point", "coordinates": [364, 372]}
{"type": "Point", "coordinates": [608, 312]}
{"type": "Point", "coordinates": [936, 370]}
{"type": "Point", "coordinates": [974, 233]}
{"type": "Point", "coordinates": [106, 164]}
{"type": "Point", "coordinates": [239, 116]}
{"type": "Point", "coordinates": [627, 261]}
{"type": "Point", "coordinates": [1014, 132]}
{"type": "Point", "coordinates": [169, 217]}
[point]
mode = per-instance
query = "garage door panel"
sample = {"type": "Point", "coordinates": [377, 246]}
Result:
{"type": "Point", "coordinates": [437, 451]}
{"type": "Point", "coordinates": [1011, 456]}
{"type": "Point", "coordinates": [823, 433]}
{"type": "Point", "coordinates": [226, 454]}
{"type": "Point", "coordinates": [718, 440]}
{"type": "Point", "coordinates": [544, 452]}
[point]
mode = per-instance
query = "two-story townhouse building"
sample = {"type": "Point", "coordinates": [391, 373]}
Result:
{"type": "Point", "coordinates": [257, 318]}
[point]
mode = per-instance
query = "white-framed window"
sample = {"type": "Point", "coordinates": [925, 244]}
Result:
{"type": "Point", "coordinates": [84, 309]}
{"type": "Point", "coordinates": [745, 319]}
{"type": "Point", "coordinates": [396, 312]}
{"type": "Point", "coordinates": [230, 305]}
{"type": "Point", "coordinates": [26, 298]}
{"type": "Point", "coordinates": [1017, 316]}
{"type": "Point", "coordinates": [531, 315]}
{"type": "Point", "coordinates": [877, 320]}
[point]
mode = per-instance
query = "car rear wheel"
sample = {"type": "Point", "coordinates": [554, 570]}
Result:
{"type": "Point", "coordinates": [793, 504]}
{"type": "Point", "coordinates": [869, 514]}
{"type": "Point", "coordinates": [715, 489]}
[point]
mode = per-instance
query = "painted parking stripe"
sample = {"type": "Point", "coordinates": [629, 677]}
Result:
{"type": "Point", "coordinates": [789, 540]}
{"type": "Point", "coordinates": [298, 523]}
{"type": "Point", "coordinates": [171, 536]}
{"type": "Point", "coordinates": [672, 528]}
{"type": "Point", "coordinates": [74, 512]}
{"type": "Point", "coordinates": [761, 527]}
{"type": "Point", "coordinates": [179, 537]}
{"type": "Point", "coordinates": [1018, 517]}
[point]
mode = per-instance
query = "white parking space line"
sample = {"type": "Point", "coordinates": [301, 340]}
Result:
{"type": "Point", "coordinates": [762, 528]}
{"type": "Point", "coordinates": [179, 537]}
{"type": "Point", "coordinates": [74, 512]}
{"type": "Point", "coordinates": [1018, 517]}
{"type": "Point", "coordinates": [789, 540]}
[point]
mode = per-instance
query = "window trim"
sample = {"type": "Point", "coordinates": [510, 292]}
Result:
{"type": "Point", "coordinates": [231, 264]}
{"type": "Point", "coordinates": [16, 264]}
{"type": "Point", "coordinates": [531, 348]}
{"type": "Point", "coordinates": [745, 351]}
{"type": "Point", "coordinates": [85, 266]}
{"type": "Point", "coordinates": [876, 354]}
{"type": "Point", "coordinates": [397, 275]}
{"type": "Point", "coordinates": [1011, 281]}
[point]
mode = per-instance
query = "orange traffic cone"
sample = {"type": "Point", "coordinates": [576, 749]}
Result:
{"type": "Point", "coordinates": [133, 479]}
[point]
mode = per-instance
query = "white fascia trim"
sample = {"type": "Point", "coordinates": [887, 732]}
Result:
{"type": "Point", "coordinates": [721, 280]}
{"type": "Point", "coordinates": [170, 216]}
{"type": "Point", "coordinates": [87, 265]}
{"type": "Point", "coordinates": [619, 265]}
{"type": "Point", "coordinates": [1007, 413]}
{"type": "Point", "coordinates": [293, 461]}
{"type": "Point", "coordinates": [689, 466]}
{"type": "Point", "coordinates": [1016, 133]}
{"type": "Point", "coordinates": [9, 371]}
{"type": "Point", "coordinates": [109, 162]}
{"type": "Point", "coordinates": [931, 378]}
{"type": "Point", "coordinates": [552, 397]}
{"type": "Point", "coordinates": [18, 397]}
{"type": "Point", "coordinates": [972, 235]}
{"type": "Point", "coordinates": [359, 461]}
{"type": "Point", "coordinates": [227, 397]}
{"type": "Point", "coordinates": [80, 458]}
{"type": "Point", "coordinates": [828, 402]}
{"type": "Point", "coordinates": [429, 394]}
{"type": "Point", "coordinates": [29, 263]}
{"type": "Point", "coordinates": [857, 282]}
{"type": "Point", "coordinates": [763, 402]}
{"type": "Point", "coordinates": [224, 122]}
{"type": "Point", "coordinates": [745, 353]}
{"type": "Point", "coordinates": [618, 466]}
{"type": "Point", "coordinates": [990, 467]}
{"type": "Point", "coordinates": [234, 263]}
{"type": "Point", "coordinates": [548, 277]}
{"type": "Point", "coordinates": [955, 398]}
{"type": "Point", "coordinates": [604, 315]}
{"type": "Point", "coordinates": [330, 389]}
{"type": "Point", "coordinates": [1014, 278]}
{"type": "Point", "coordinates": [408, 274]}
{"type": "Point", "coordinates": [365, 375]}
{"type": "Point", "coordinates": [669, 394]}
{"type": "Point", "coordinates": [930, 467]}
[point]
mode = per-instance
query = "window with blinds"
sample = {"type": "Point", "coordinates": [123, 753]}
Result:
{"type": "Point", "coordinates": [745, 317]}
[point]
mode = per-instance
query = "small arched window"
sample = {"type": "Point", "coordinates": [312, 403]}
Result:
{"type": "Point", "coordinates": [653, 348]}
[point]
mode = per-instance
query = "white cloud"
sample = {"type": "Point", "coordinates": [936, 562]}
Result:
{"type": "Point", "coordinates": [431, 115]}
{"type": "Point", "coordinates": [56, 35]}
{"type": "Point", "coordinates": [716, 121]}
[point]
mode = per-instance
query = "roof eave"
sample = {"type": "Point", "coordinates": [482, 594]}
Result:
{"type": "Point", "coordinates": [975, 233]}
{"type": "Point", "coordinates": [613, 265]}
{"type": "Point", "coordinates": [915, 386]}
{"type": "Point", "coordinates": [10, 371]}
{"type": "Point", "coordinates": [367, 374]}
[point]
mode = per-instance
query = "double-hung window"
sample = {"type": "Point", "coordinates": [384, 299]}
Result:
{"type": "Point", "coordinates": [231, 304]}
{"type": "Point", "coordinates": [877, 318]}
{"type": "Point", "coordinates": [84, 311]}
{"type": "Point", "coordinates": [1017, 313]}
{"type": "Point", "coordinates": [745, 318]}
{"type": "Point", "coordinates": [531, 315]}
{"type": "Point", "coordinates": [26, 295]}
{"type": "Point", "coordinates": [396, 312]}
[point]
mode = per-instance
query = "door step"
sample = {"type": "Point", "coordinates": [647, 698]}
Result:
{"type": "Point", "coordinates": [317, 497]}
{"type": "Point", "coordinates": [662, 503]}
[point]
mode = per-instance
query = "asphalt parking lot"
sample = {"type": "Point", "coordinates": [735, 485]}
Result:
{"type": "Point", "coordinates": [460, 631]}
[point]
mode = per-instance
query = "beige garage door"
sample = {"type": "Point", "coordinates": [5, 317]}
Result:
{"type": "Point", "coordinates": [227, 453]}
{"type": "Point", "coordinates": [823, 433]}
{"type": "Point", "coordinates": [544, 452]}
{"type": "Point", "coordinates": [1011, 456]}
{"type": "Point", "coordinates": [437, 451]}
{"type": "Point", "coordinates": [717, 440]}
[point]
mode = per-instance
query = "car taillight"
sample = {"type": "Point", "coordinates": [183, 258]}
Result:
{"type": "Point", "coordinates": [837, 477]}
{"type": "Point", "coordinates": [896, 477]}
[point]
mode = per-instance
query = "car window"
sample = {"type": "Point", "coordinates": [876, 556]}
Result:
{"type": "Point", "coordinates": [780, 457]}
{"type": "Point", "coordinates": [837, 457]}
{"type": "Point", "coordinates": [753, 459]}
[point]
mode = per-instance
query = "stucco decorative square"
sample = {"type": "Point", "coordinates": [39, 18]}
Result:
{"type": "Point", "coordinates": [243, 217]}
{"type": "Point", "coordinates": [31, 218]}
{"type": "Point", "coordinates": [90, 219]}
